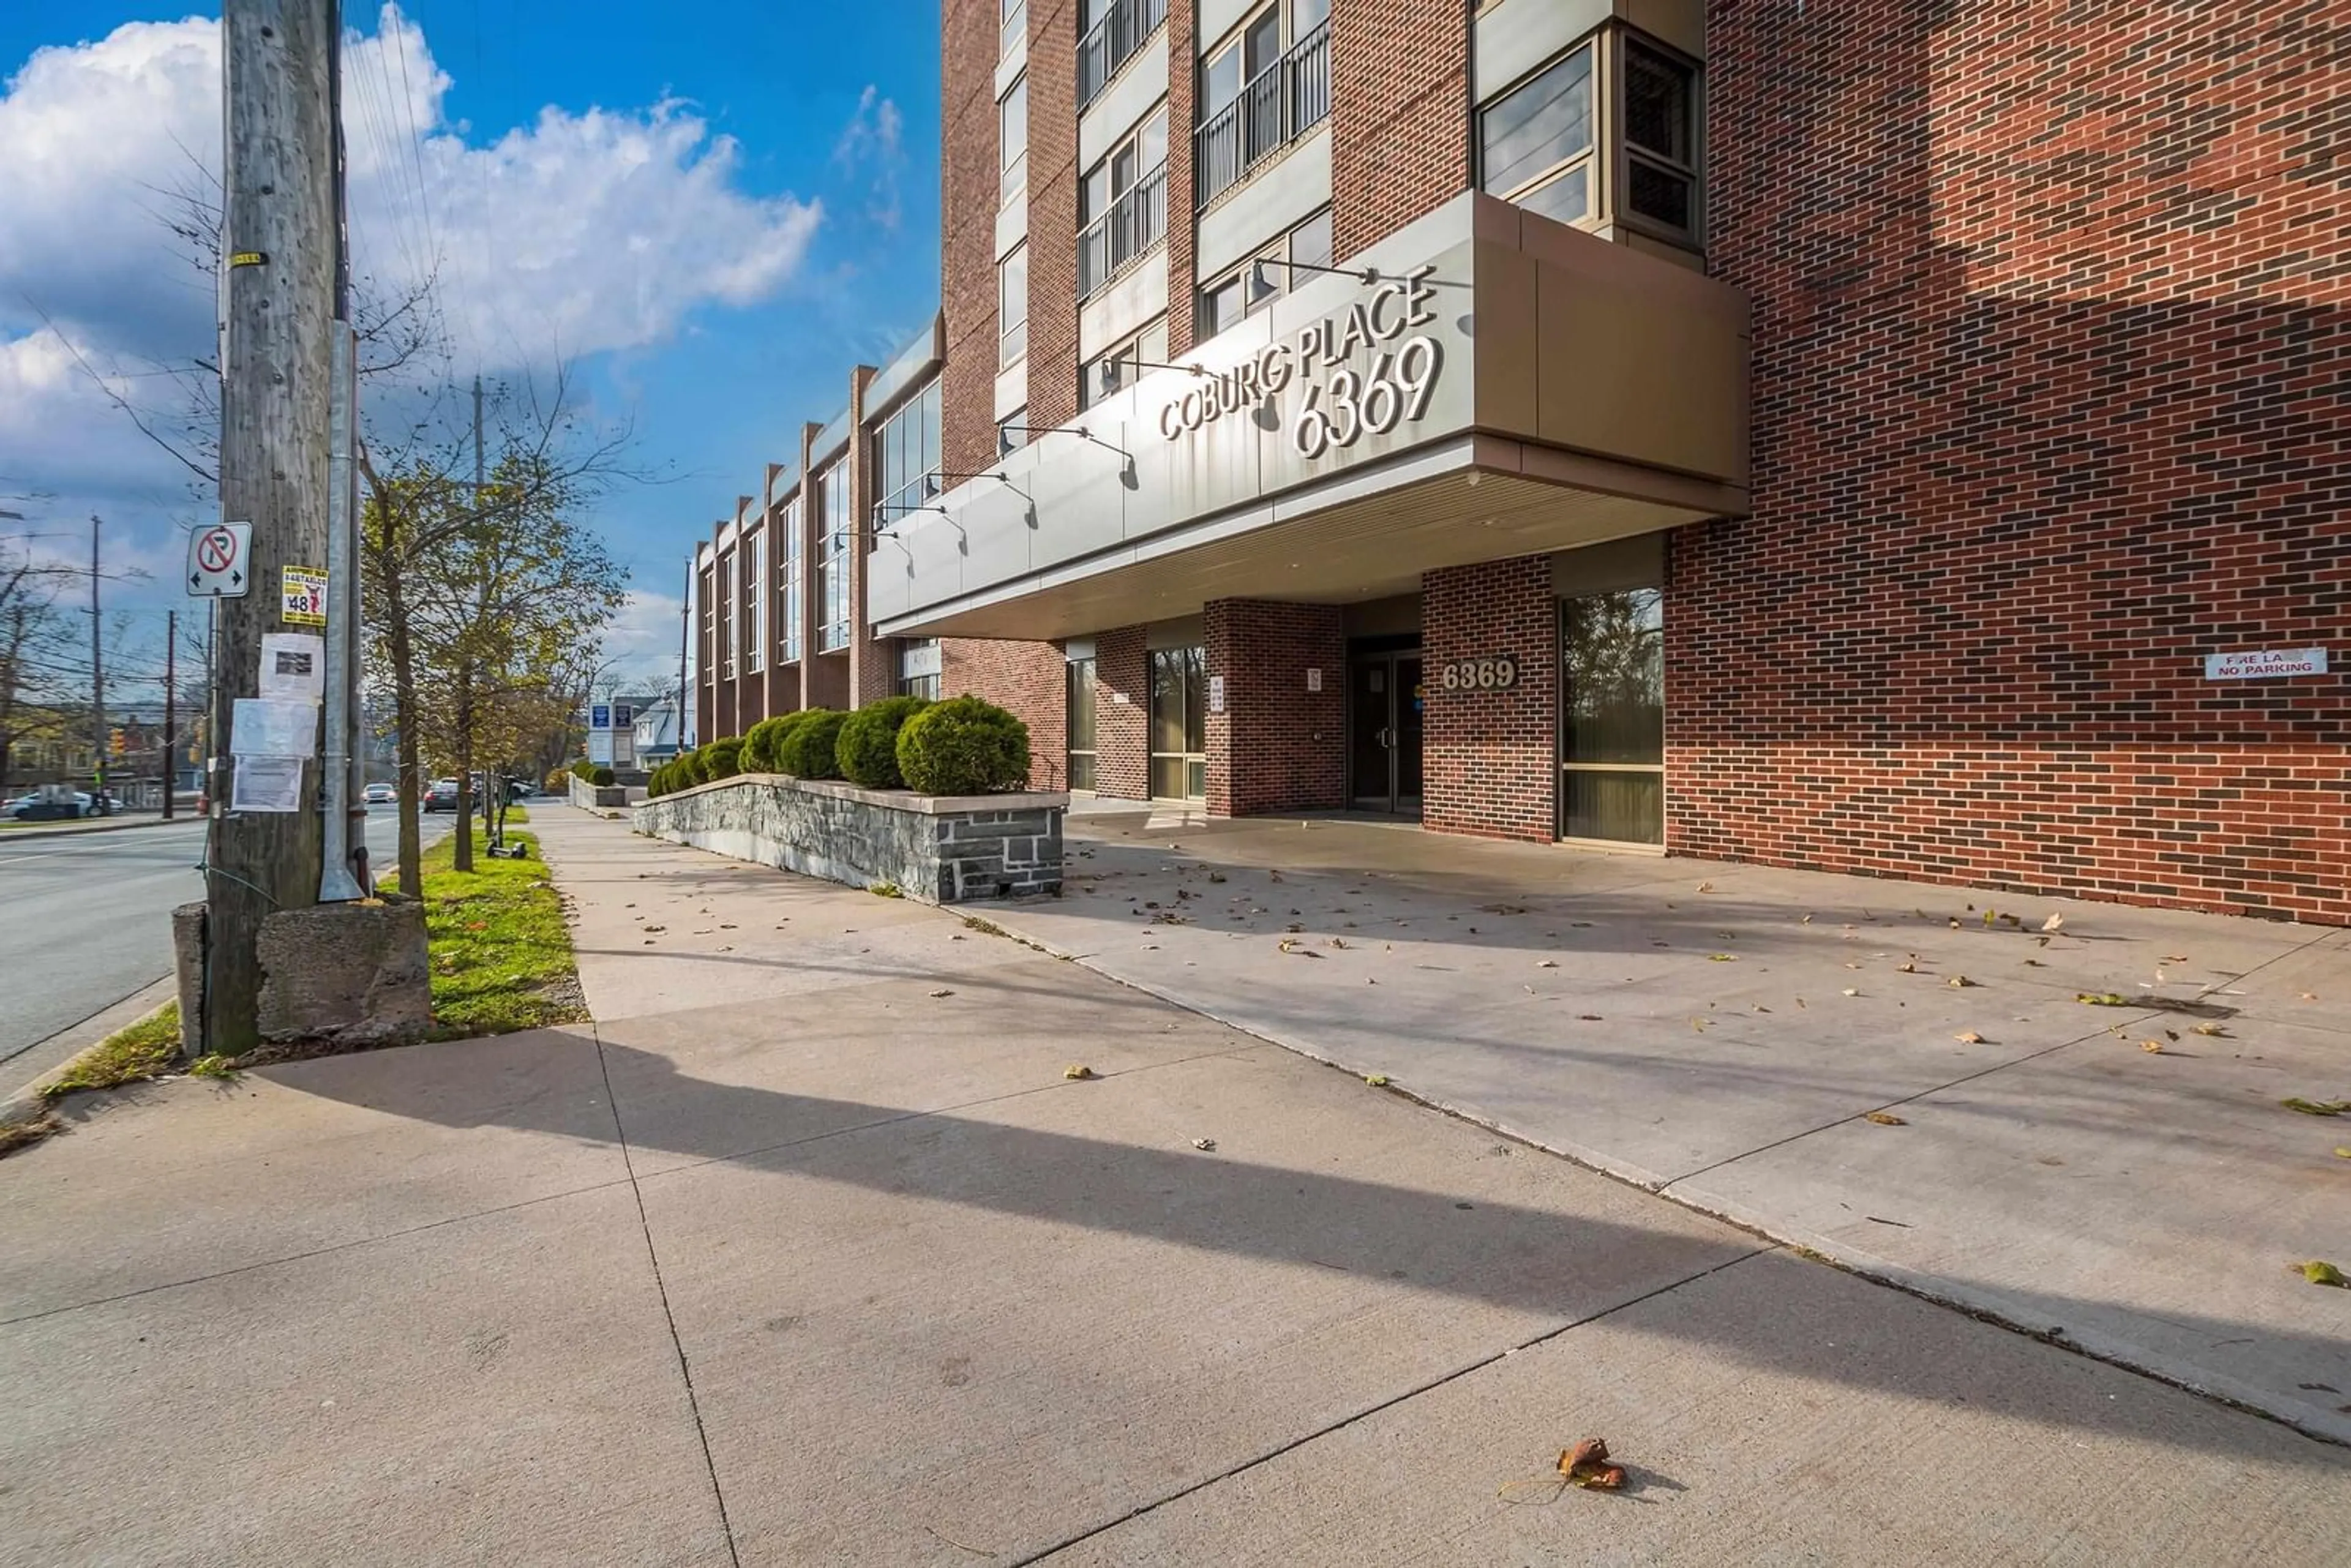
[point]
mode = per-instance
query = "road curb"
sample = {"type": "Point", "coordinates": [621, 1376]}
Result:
{"type": "Point", "coordinates": [32, 835]}
{"type": "Point", "coordinates": [30, 1115]}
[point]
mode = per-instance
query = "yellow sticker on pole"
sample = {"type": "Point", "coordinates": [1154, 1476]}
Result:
{"type": "Point", "coordinates": [303, 591]}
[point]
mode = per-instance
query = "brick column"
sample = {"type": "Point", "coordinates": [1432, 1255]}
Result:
{"type": "Point", "coordinates": [968, 206]}
{"type": "Point", "coordinates": [1053, 212]}
{"type": "Point", "coordinates": [1183, 76]}
{"type": "Point", "coordinates": [873, 670]}
{"type": "Point", "coordinates": [1399, 116]}
{"type": "Point", "coordinates": [1122, 715]}
{"type": "Point", "coordinates": [1278, 745]}
{"type": "Point", "coordinates": [1490, 758]}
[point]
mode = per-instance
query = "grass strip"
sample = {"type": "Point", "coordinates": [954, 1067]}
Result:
{"type": "Point", "coordinates": [501, 954]}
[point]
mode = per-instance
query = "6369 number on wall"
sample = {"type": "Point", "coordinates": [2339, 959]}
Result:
{"type": "Point", "coordinates": [1496, 675]}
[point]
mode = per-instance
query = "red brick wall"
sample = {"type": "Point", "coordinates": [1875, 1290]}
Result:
{"type": "Point", "coordinates": [1052, 212]}
{"type": "Point", "coordinates": [2053, 387]}
{"type": "Point", "coordinates": [1276, 747]}
{"type": "Point", "coordinates": [1183, 81]}
{"type": "Point", "coordinates": [1122, 729]}
{"type": "Point", "coordinates": [1399, 114]}
{"type": "Point", "coordinates": [1030, 680]}
{"type": "Point", "coordinates": [968, 204]}
{"type": "Point", "coordinates": [1490, 764]}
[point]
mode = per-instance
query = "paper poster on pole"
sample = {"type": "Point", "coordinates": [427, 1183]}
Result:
{"type": "Point", "coordinates": [266, 784]}
{"type": "Point", "coordinates": [293, 666]}
{"type": "Point", "coordinates": [303, 594]}
{"type": "Point", "coordinates": [259, 728]}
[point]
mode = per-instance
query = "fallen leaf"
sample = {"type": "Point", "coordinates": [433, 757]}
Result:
{"type": "Point", "coordinates": [1852, 991]}
{"type": "Point", "coordinates": [2317, 1107]}
{"type": "Point", "coordinates": [1706, 887]}
{"type": "Point", "coordinates": [1546, 963]}
{"type": "Point", "coordinates": [1205, 1145]}
{"type": "Point", "coordinates": [1958, 982]}
{"type": "Point", "coordinates": [1376, 1080]}
{"type": "Point", "coordinates": [1885, 1119]}
{"type": "Point", "coordinates": [1338, 941]}
{"type": "Point", "coordinates": [2209, 1030]}
{"type": "Point", "coordinates": [1722, 958]}
{"type": "Point", "coordinates": [2054, 923]}
{"type": "Point", "coordinates": [2101, 999]}
{"type": "Point", "coordinates": [943, 991]}
{"type": "Point", "coordinates": [1807, 920]}
{"type": "Point", "coordinates": [1906, 969]}
{"type": "Point", "coordinates": [2310, 996]}
{"type": "Point", "coordinates": [1969, 1037]}
{"type": "Point", "coordinates": [2152, 1046]}
{"type": "Point", "coordinates": [1588, 1018]}
{"type": "Point", "coordinates": [1079, 1070]}
{"type": "Point", "coordinates": [2318, 1271]}
{"type": "Point", "coordinates": [2342, 1153]}
{"type": "Point", "coordinates": [1215, 876]}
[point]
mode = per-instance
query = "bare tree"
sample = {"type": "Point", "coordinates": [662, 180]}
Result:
{"type": "Point", "coordinates": [32, 633]}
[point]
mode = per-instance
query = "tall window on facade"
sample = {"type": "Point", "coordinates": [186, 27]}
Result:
{"type": "Point", "coordinates": [787, 579]}
{"type": "Point", "coordinates": [1265, 276]}
{"type": "Point", "coordinates": [708, 645]}
{"type": "Point", "coordinates": [1012, 307]}
{"type": "Point", "coordinates": [1660, 138]}
{"type": "Point", "coordinates": [906, 458]}
{"type": "Point", "coordinates": [832, 558]}
{"type": "Point", "coordinates": [1011, 27]}
{"type": "Point", "coordinates": [1123, 205]}
{"type": "Point", "coordinates": [1012, 139]}
{"type": "Point", "coordinates": [727, 591]}
{"type": "Point", "coordinates": [755, 595]}
{"type": "Point", "coordinates": [1547, 144]}
{"type": "Point", "coordinates": [1612, 731]}
{"type": "Point", "coordinates": [1265, 84]}
{"type": "Point", "coordinates": [1536, 141]}
{"type": "Point", "coordinates": [1115, 368]}
{"type": "Point", "coordinates": [1080, 713]}
{"type": "Point", "coordinates": [1179, 724]}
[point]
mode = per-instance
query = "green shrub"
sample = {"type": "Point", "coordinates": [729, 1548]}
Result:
{"type": "Point", "coordinates": [584, 770]}
{"type": "Point", "coordinates": [601, 777]}
{"type": "Point", "coordinates": [763, 746]}
{"type": "Point", "coordinates": [689, 771]}
{"type": "Point", "coordinates": [867, 750]}
{"type": "Point", "coordinates": [656, 781]}
{"type": "Point", "coordinates": [963, 746]}
{"type": "Point", "coordinates": [806, 751]}
{"type": "Point", "coordinates": [722, 759]}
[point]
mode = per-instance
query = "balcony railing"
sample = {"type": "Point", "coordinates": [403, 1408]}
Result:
{"type": "Point", "coordinates": [1113, 42]}
{"type": "Point", "coordinates": [1135, 223]}
{"type": "Point", "coordinates": [1274, 109]}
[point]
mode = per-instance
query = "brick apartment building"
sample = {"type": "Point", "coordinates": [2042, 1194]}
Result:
{"type": "Point", "coordinates": [1854, 433]}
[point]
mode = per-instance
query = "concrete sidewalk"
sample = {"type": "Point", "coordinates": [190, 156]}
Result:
{"type": "Point", "coordinates": [808, 1252]}
{"type": "Point", "coordinates": [1720, 1033]}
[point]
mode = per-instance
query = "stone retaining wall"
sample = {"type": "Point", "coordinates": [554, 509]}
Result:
{"type": "Point", "coordinates": [939, 849]}
{"type": "Point", "coordinates": [597, 797]}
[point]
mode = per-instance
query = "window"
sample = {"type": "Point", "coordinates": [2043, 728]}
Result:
{"type": "Point", "coordinates": [725, 585]}
{"type": "Point", "coordinates": [1013, 28]}
{"type": "Point", "coordinates": [755, 592]}
{"type": "Point", "coordinates": [1123, 205]}
{"type": "Point", "coordinates": [1611, 728]}
{"type": "Point", "coordinates": [832, 558]}
{"type": "Point", "coordinates": [787, 579]}
{"type": "Point", "coordinates": [1110, 32]}
{"type": "Point", "coordinates": [1080, 713]}
{"type": "Point", "coordinates": [1012, 139]}
{"type": "Point", "coordinates": [1012, 307]}
{"type": "Point", "coordinates": [918, 668]}
{"type": "Point", "coordinates": [709, 643]}
{"type": "Point", "coordinates": [1115, 368]}
{"type": "Point", "coordinates": [1539, 145]}
{"type": "Point", "coordinates": [1179, 724]}
{"type": "Point", "coordinates": [906, 459]}
{"type": "Point", "coordinates": [1535, 141]}
{"type": "Point", "coordinates": [1266, 84]}
{"type": "Point", "coordinates": [1265, 276]}
{"type": "Point", "coordinates": [1012, 433]}
{"type": "Point", "coordinates": [1660, 138]}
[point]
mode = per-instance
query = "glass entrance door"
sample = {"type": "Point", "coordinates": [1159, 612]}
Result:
{"type": "Point", "coordinates": [1179, 724]}
{"type": "Point", "coordinates": [1612, 725]}
{"type": "Point", "coordinates": [1385, 702]}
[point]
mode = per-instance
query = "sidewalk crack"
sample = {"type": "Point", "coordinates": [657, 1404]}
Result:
{"type": "Point", "coordinates": [661, 1287]}
{"type": "Point", "coordinates": [1278, 1450]}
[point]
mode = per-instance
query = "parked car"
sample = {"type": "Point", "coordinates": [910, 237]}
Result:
{"type": "Point", "coordinates": [378, 795]}
{"type": "Point", "coordinates": [53, 805]}
{"type": "Point", "coordinates": [442, 796]}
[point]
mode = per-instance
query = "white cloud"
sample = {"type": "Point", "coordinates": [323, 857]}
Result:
{"type": "Point", "coordinates": [581, 232]}
{"type": "Point", "coordinates": [870, 143]}
{"type": "Point", "coordinates": [641, 645]}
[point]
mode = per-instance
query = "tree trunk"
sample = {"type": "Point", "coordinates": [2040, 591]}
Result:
{"type": "Point", "coordinates": [465, 749]}
{"type": "Point", "coordinates": [404, 719]}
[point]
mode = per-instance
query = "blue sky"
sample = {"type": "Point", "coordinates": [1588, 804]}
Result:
{"type": "Point", "coordinates": [744, 198]}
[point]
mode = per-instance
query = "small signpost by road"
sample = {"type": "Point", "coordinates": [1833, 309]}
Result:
{"type": "Point", "coordinates": [217, 558]}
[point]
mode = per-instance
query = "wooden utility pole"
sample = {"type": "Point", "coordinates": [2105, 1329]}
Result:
{"type": "Point", "coordinates": [280, 236]}
{"type": "Point", "coordinates": [170, 704]}
{"type": "Point", "coordinates": [99, 733]}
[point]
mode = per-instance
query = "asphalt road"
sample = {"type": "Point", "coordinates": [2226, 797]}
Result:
{"type": "Point", "coordinates": [85, 921]}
